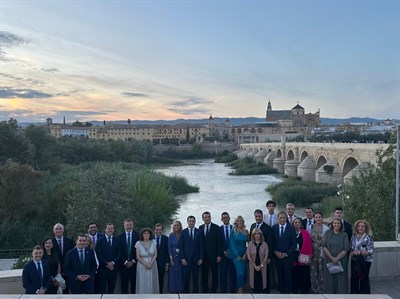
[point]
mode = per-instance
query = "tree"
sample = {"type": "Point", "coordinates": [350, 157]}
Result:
{"type": "Point", "coordinates": [372, 196]}
{"type": "Point", "coordinates": [13, 143]}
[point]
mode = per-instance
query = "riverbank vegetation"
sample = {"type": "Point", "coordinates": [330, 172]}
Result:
{"type": "Point", "coordinates": [300, 193]}
{"type": "Point", "coordinates": [247, 166]}
{"type": "Point", "coordinates": [44, 180]}
{"type": "Point", "coordinates": [370, 196]}
{"type": "Point", "coordinates": [226, 158]}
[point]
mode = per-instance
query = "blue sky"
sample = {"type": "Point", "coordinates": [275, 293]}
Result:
{"type": "Point", "coordinates": [114, 60]}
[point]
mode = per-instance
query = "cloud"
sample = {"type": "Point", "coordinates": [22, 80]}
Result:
{"type": "Point", "coordinates": [8, 39]}
{"type": "Point", "coordinates": [190, 111]}
{"type": "Point", "coordinates": [190, 102]}
{"type": "Point", "coordinates": [192, 105]}
{"type": "Point", "coordinates": [21, 80]}
{"type": "Point", "coordinates": [133, 94]}
{"type": "Point", "coordinates": [50, 70]}
{"type": "Point", "coordinates": [11, 93]}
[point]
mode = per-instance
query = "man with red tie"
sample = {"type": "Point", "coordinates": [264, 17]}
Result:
{"type": "Point", "coordinates": [62, 245]}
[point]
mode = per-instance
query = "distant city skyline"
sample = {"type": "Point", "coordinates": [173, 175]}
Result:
{"type": "Point", "coordinates": [164, 60]}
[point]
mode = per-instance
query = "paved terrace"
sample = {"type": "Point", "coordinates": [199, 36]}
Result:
{"type": "Point", "coordinates": [384, 276]}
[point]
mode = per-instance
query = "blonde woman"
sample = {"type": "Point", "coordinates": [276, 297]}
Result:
{"type": "Point", "coordinates": [237, 251]}
{"type": "Point", "coordinates": [257, 254]}
{"type": "Point", "coordinates": [175, 276]}
{"type": "Point", "coordinates": [362, 252]}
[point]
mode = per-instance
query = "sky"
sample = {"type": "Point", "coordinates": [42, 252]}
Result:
{"type": "Point", "coordinates": [152, 60]}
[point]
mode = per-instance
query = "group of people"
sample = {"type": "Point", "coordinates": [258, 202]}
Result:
{"type": "Point", "coordinates": [280, 250]}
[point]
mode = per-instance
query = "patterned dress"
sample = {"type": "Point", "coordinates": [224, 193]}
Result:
{"type": "Point", "coordinates": [175, 277]}
{"type": "Point", "coordinates": [317, 262]}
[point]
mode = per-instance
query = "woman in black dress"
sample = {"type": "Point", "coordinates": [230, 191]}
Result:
{"type": "Point", "coordinates": [53, 262]}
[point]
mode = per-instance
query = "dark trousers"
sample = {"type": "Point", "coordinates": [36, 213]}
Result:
{"type": "Point", "coordinates": [190, 270]}
{"type": "Point", "coordinates": [301, 280]}
{"type": "Point", "coordinates": [205, 267]}
{"type": "Point", "coordinates": [106, 281]}
{"type": "Point", "coordinates": [78, 287]}
{"type": "Point", "coordinates": [227, 271]}
{"type": "Point", "coordinates": [128, 275]}
{"type": "Point", "coordinates": [357, 285]}
{"type": "Point", "coordinates": [161, 272]}
{"type": "Point", "coordinates": [284, 269]}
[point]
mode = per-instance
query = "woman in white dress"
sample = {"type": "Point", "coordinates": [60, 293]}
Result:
{"type": "Point", "coordinates": [146, 273]}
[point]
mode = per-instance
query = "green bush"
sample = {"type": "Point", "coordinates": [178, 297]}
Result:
{"type": "Point", "coordinates": [230, 157]}
{"type": "Point", "coordinates": [300, 193]}
{"type": "Point", "coordinates": [247, 166]}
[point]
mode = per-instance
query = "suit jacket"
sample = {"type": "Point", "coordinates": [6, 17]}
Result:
{"type": "Point", "coordinates": [286, 243]}
{"type": "Point", "coordinates": [67, 245]}
{"type": "Point", "coordinates": [105, 253]}
{"type": "Point", "coordinates": [293, 218]}
{"type": "Point", "coordinates": [162, 251]}
{"type": "Point", "coordinates": [31, 278]}
{"type": "Point", "coordinates": [348, 229]}
{"type": "Point", "coordinates": [212, 243]}
{"type": "Point", "coordinates": [268, 236]}
{"type": "Point", "coordinates": [73, 266]}
{"type": "Point", "coordinates": [98, 236]}
{"type": "Point", "coordinates": [225, 243]}
{"type": "Point", "coordinates": [124, 248]}
{"type": "Point", "coordinates": [275, 221]}
{"type": "Point", "coordinates": [304, 223]}
{"type": "Point", "coordinates": [191, 249]}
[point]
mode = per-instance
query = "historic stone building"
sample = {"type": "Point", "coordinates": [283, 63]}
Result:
{"type": "Point", "coordinates": [296, 117]}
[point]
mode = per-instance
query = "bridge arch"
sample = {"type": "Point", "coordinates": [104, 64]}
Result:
{"type": "Point", "coordinates": [321, 161]}
{"type": "Point", "coordinates": [290, 155]}
{"type": "Point", "coordinates": [279, 153]}
{"type": "Point", "coordinates": [348, 165]}
{"type": "Point", "coordinates": [304, 155]}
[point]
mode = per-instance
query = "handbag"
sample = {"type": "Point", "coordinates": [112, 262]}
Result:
{"type": "Point", "coordinates": [334, 268]}
{"type": "Point", "coordinates": [303, 259]}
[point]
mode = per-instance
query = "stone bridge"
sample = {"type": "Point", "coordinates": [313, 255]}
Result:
{"type": "Point", "coordinates": [331, 163]}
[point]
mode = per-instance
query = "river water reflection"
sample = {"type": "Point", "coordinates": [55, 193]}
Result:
{"type": "Point", "coordinates": [219, 192]}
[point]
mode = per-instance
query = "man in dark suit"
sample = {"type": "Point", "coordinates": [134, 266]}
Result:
{"type": "Point", "coordinates": [61, 246]}
{"type": "Point", "coordinates": [226, 268]}
{"type": "Point", "coordinates": [128, 260]}
{"type": "Point", "coordinates": [347, 226]}
{"type": "Point", "coordinates": [285, 245]}
{"type": "Point", "coordinates": [309, 220]}
{"type": "Point", "coordinates": [212, 250]}
{"type": "Point", "coordinates": [92, 231]}
{"type": "Point", "coordinates": [268, 238]}
{"type": "Point", "coordinates": [36, 277]}
{"type": "Point", "coordinates": [191, 254]}
{"type": "Point", "coordinates": [108, 253]}
{"type": "Point", "coordinates": [290, 209]}
{"type": "Point", "coordinates": [162, 254]}
{"type": "Point", "coordinates": [80, 267]}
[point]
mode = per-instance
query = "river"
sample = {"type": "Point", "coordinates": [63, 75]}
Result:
{"type": "Point", "coordinates": [219, 192]}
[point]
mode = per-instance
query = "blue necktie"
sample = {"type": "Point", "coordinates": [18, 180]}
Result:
{"type": "Point", "coordinates": [81, 257]}
{"type": "Point", "coordinates": [39, 269]}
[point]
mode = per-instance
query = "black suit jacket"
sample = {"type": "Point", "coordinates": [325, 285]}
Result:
{"type": "Point", "coordinates": [105, 253]}
{"type": "Point", "coordinates": [31, 278]}
{"type": "Point", "coordinates": [348, 229]}
{"type": "Point", "coordinates": [304, 222]}
{"type": "Point", "coordinates": [73, 266]}
{"type": "Point", "coordinates": [212, 243]}
{"type": "Point", "coordinates": [191, 249]}
{"type": "Point", "coordinates": [268, 236]}
{"type": "Point", "coordinates": [67, 245]}
{"type": "Point", "coordinates": [162, 251]}
{"type": "Point", "coordinates": [286, 243]}
{"type": "Point", "coordinates": [124, 248]}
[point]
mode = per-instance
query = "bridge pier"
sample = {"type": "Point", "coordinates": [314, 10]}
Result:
{"type": "Point", "coordinates": [324, 175]}
{"type": "Point", "coordinates": [306, 169]}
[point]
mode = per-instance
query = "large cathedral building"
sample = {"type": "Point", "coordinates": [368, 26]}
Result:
{"type": "Point", "coordinates": [296, 117]}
